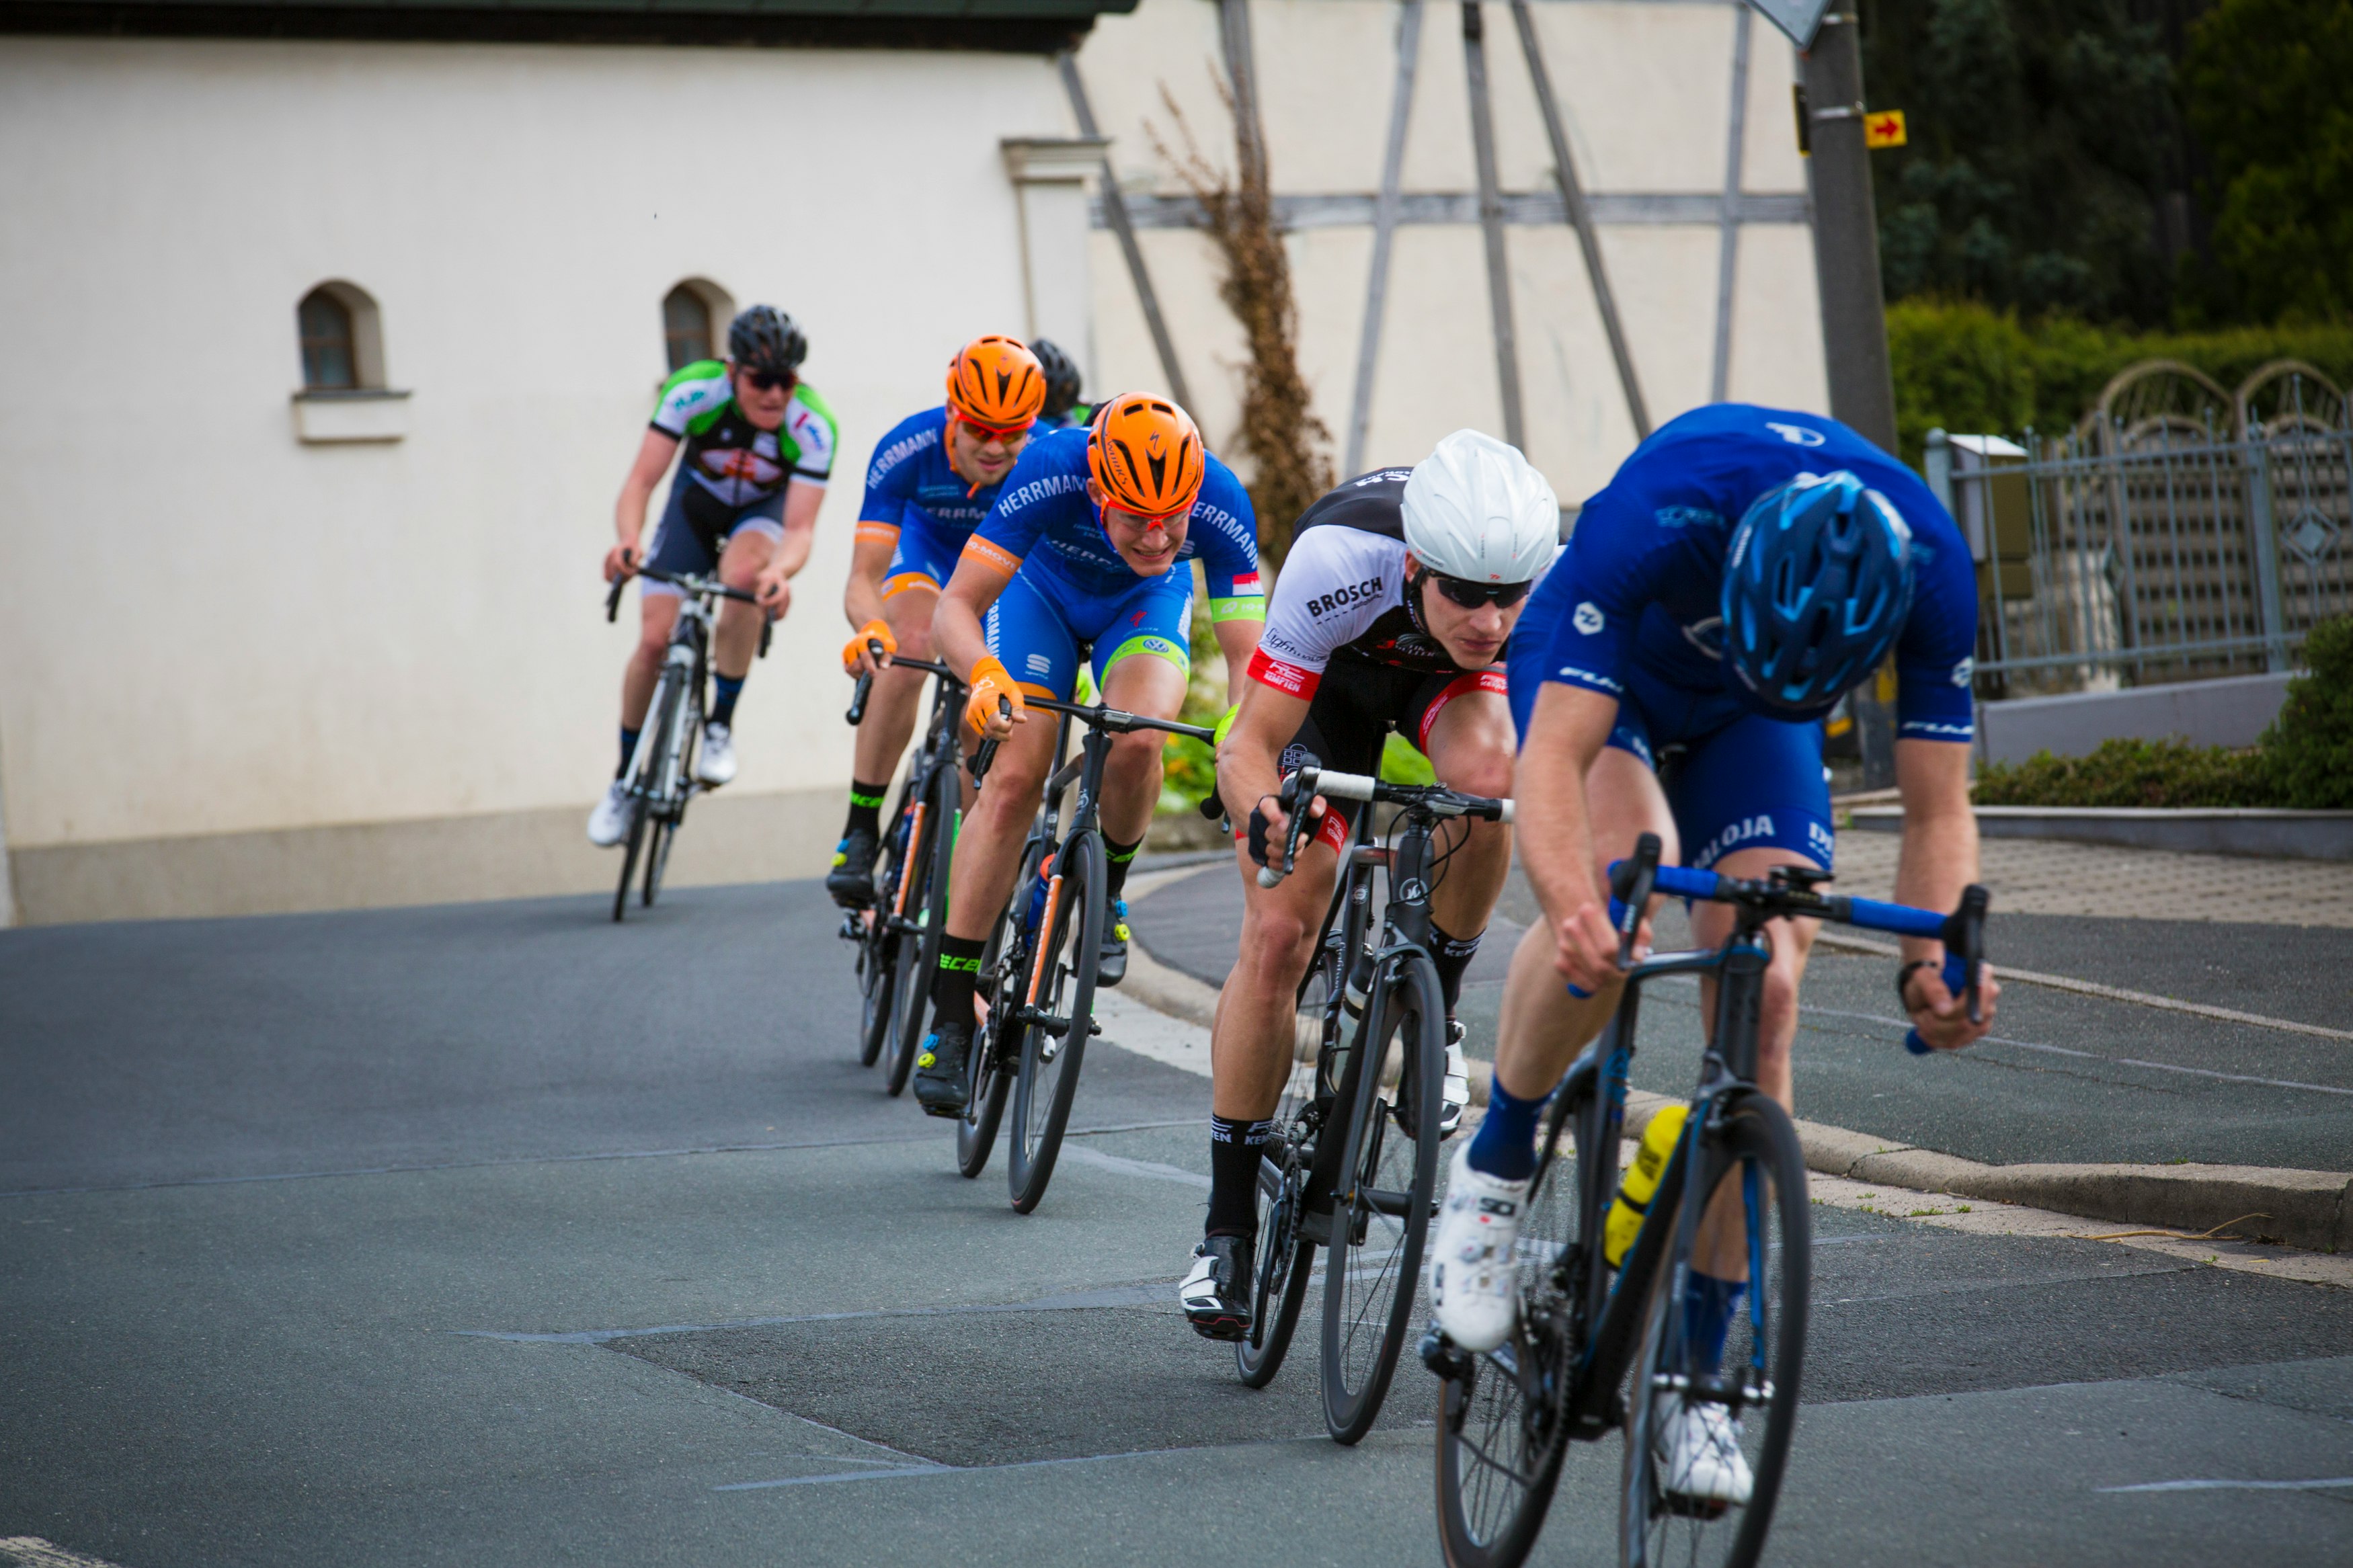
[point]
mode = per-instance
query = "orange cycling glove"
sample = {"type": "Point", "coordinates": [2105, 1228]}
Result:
{"type": "Point", "coordinates": [872, 631]}
{"type": "Point", "coordinates": [990, 680]}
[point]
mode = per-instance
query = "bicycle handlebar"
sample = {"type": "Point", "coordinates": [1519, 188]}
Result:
{"type": "Point", "coordinates": [986, 755]}
{"type": "Point", "coordinates": [1962, 931]}
{"type": "Point", "coordinates": [1309, 782]}
{"type": "Point", "coordinates": [692, 585]}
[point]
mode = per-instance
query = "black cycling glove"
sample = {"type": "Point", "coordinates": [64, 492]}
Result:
{"type": "Point", "coordinates": [1259, 829]}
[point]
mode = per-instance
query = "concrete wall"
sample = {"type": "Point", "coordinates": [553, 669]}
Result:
{"type": "Point", "coordinates": [2231, 712]}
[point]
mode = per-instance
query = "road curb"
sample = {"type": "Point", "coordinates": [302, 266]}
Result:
{"type": "Point", "coordinates": [2310, 1209]}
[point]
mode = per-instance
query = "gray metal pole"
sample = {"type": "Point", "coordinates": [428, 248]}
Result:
{"type": "Point", "coordinates": [1491, 220]}
{"type": "Point", "coordinates": [2262, 541]}
{"type": "Point", "coordinates": [1846, 236]}
{"type": "Point", "coordinates": [1727, 257]}
{"type": "Point", "coordinates": [1115, 209]}
{"type": "Point", "coordinates": [1384, 217]}
{"type": "Point", "coordinates": [1241, 69]}
{"type": "Point", "coordinates": [1580, 217]}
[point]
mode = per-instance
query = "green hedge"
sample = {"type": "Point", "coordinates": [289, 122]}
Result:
{"type": "Point", "coordinates": [2305, 760]}
{"type": "Point", "coordinates": [1977, 371]}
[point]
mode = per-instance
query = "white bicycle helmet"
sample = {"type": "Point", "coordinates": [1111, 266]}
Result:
{"type": "Point", "coordinates": [1477, 509]}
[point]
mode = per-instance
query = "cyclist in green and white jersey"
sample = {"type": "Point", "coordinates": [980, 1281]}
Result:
{"type": "Point", "coordinates": [759, 444]}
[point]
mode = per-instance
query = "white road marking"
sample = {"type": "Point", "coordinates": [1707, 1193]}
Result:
{"type": "Point", "coordinates": [2231, 1485]}
{"type": "Point", "coordinates": [1126, 1167]}
{"type": "Point", "coordinates": [32, 1551]}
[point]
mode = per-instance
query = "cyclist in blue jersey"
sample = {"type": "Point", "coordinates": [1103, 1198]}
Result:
{"type": "Point", "coordinates": [932, 481]}
{"type": "Point", "coordinates": [758, 446]}
{"type": "Point", "coordinates": [1088, 556]}
{"type": "Point", "coordinates": [1063, 408]}
{"type": "Point", "coordinates": [1745, 568]}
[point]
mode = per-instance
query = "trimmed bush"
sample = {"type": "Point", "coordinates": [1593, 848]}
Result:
{"type": "Point", "coordinates": [2308, 750]}
{"type": "Point", "coordinates": [2130, 773]}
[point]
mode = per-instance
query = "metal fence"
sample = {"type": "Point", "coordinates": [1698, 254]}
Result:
{"type": "Point", "coordinates": [2157, 548]}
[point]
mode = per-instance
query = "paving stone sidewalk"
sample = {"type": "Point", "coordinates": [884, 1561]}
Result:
{"type": "Point", "coordinates": [2052, 877]}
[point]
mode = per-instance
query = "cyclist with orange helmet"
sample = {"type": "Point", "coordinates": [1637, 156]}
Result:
{"type": "Point", "coordinates": [932, 481]}
{"type": "Point", "coordinates": [1088, 555]}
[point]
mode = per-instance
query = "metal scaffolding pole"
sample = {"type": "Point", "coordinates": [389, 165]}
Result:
{"type": "Point", "coordinates": [1490, 221]}
{"type": "Point", "coordinates": [1385, 218]}
{"type": "Point", "coordinates": [1116, 210]}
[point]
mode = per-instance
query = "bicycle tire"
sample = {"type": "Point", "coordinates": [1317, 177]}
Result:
{"type": "Point", "coordinates": [1501, 1439]}
{"type": "Point", "coordinates": [1756, 1145]}
{"type": "Point", "coordinates": [1048, 1074]}
{"type": "Point", "coordinates": [640, 809]}
{"type": "Point", "coordinates": [878, 949]}
{"type": "Point", "coordinates": [986, 1083]}
{"type": "Point", "coordinates": [919, 959]}
{"type": "Point", "coordinates": [1286, 1256]}
{"type": "Point", "coordinates": [634, 842]}
{"type": "Point", "coordinates": [1381, 1208]}
{"type": "Point", "coordinates": [664, 833]}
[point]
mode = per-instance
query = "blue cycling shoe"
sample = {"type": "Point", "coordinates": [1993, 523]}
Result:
{"type": "Point", "coordinates": [1111, 965]}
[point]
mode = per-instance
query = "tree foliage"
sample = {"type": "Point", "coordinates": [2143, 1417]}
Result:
{"type": "Point", "coordinates": [2269, 89]}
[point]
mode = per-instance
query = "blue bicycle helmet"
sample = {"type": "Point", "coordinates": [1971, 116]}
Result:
{"type": "Point", "coordinates": [1817, 583]}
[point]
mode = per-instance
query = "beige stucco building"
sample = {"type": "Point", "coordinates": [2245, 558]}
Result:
{"type": "Point", "coordinates": [262, 651]}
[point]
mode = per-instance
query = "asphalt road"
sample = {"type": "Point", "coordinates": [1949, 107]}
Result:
{"type": "Point", "coordinates": [498, 1236]}
{"type": "Point", "coordinates": [2065, 1077]}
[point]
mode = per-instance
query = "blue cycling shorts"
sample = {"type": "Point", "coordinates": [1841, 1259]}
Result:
{"type": "Point", "coordinates": [1041, 626]}
{"type": "Point", "coordinates": [1734, 780]}
{"type": "Point", "coordinates": [924, 557]}
{"type": "Point", "coordinates": [695, 527]}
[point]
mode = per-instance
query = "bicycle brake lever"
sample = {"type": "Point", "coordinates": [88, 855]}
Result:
{"type": "Point", "coordinates": [858, 696]}
{"type": "Point", "coordinates": [767, 629]}
{"type": "Point", "coordinates": [1299, 786]}
{"type": "Point", "coordinates": [1631, 882]}
{"type": "Point", "coordinates": [1964, 958]}
{"type": "Point", "coordinates": [613, 599]}
{"type": "Point", "coordinates": [988, 752]}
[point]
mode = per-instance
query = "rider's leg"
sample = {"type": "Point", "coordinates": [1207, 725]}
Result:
{"type": "Point", "coordinates": [657, 617]}
{"type": "Point", "coordinates": [892, 705]}
{"type": "Point", "coordinates": [1466, 732]}
{"type": "Point", "coordinates": [747, 555]}
{"type": "Point", "coordinates": [1145, 675]}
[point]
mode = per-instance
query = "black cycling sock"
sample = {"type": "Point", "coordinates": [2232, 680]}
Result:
{"type": "Point", "coordinates": [865, 808]}
{"type": "Point", "coordinates": [1117, 859]}
{"type": "Point", "coordinates": [725, 689]}
{"type": "Point", "coordinates": [952, 981]}
{"type": "Point", "coordinates": [1234, 1149]}
{"type": "Point", "coordinates": [629, 750]}
{"type": "Point", "coordinates": [1452, 955]}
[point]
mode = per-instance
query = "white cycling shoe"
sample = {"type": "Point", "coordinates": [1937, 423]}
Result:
{"type": "Point", "coordinates": [716, 765]}
{"type": "Point", "coordinates": [1455, 1097]}
{"type": "Point", "coordinates": [1697, 1445]}
{"type": "Point", "coordinates": [608, 820]}
{"type": "Point", "coordinates": [1474, 1290]}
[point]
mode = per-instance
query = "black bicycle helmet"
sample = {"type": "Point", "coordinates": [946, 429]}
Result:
{"type": "Point", "coordinates": [1816, 587]}
{"type": "Point", "coordinates": [763, 338]}
{"type": "Point", "coordinates": [1062, 378]}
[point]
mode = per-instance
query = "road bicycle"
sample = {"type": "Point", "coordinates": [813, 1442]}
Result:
{"type": "Point", "coordinates": [1351, 1163]}
{"type": "Point", "coordinates": [898, 932]}
{"type": "Point", "coordinates": [1600, 1347]}
{"type": "Point", "coordinates": [661, 775]}
{"type": "Point", "coordinates": [1038, 967]}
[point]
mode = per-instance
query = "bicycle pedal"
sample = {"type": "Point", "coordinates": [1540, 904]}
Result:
{"type": "Point", "coordinates": [1444, 1357]}
{"type": "Point", "coordinates": [1094, 1027]}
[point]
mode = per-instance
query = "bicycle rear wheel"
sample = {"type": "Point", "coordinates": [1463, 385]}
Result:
{"type": "Point", "coordinates": [1501, 1434]}
{"type": "Point", "coordinates": [1062, 987]}
{"type": "Point", "coordinates": [1381, 1200]}
{"type": "Point", "coordinates": [1756, 1220]}
{"type": "Point", "coordinates": [919, 956]}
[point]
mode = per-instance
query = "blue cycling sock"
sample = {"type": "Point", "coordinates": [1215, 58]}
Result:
{"type": "Point", "coordinates": [1506, 1142]}
{"type": "Point", "coordinates": [629, 750]}
{"type": "Point", "coordinates": [1708, 1307]}
{"type": "Point", "coordinates": [725, 688]}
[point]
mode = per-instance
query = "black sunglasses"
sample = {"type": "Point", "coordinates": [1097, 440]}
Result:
{"type": "Point", "coordinates": [1470, 595]}
{"type": "Point", "coordinates": [767, 380]}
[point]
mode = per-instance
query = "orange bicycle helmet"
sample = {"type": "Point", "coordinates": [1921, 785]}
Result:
{"type": "Point", "coordinates": [1145, 453]}
{"type": "Point", "coordinates": [995, 382]}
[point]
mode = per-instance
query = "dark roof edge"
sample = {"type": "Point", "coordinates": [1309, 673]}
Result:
{"type": "Point", "coordinates": [1004, 33]}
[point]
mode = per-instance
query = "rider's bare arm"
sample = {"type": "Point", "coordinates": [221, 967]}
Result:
{"type": "Point", "coordinates": [791, 552]}
{"type": "Point", "coordinates": [870, 560]}
{"type": "Point", "coordinates": [1567, 733]}
{"type": "Point", "coordinates": [1250, 764]}
{"type": "Point", "coordinates": [956, 623]}
{"type": "Point", "coordinates": [654, 455]}
{"type": "Point", "coordinates": [1939, 858]}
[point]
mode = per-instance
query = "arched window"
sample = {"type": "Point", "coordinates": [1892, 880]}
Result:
{"type": "Point", "coordinates": [694, 321]}
{"type": "Point", "coordinates": [330, 357]}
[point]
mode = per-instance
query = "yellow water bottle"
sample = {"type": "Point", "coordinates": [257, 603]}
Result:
{"type": "Point", "coordinates": [1642, 1181]}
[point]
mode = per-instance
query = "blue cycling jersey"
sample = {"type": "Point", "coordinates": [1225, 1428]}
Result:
{"type": "Point", "coordinates": [1043, 520]}
{"type": "Point", "coordinates": [1634, 599]}
{"type": "Point", "coordinates": [909, 481]}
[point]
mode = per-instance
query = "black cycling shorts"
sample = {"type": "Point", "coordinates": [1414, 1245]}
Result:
{"type": "Point", "coordinates": [1355, 706]}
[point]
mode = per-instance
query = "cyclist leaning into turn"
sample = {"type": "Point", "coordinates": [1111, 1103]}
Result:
{"type": "Point", "coordinates": [1743, 570]}
{"type": "Point", "coordinates": [759, 446]}
{"type": "Point", "coordinates": [1087, 556]}
{"type": "Point", "coordinates": [1393, 608]}
{"type": "Point", "coordinates": [932, 480]}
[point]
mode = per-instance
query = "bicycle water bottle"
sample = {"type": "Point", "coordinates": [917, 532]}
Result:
{"type": "Point", "coordinates": [1634, 1194]}
{"type": "Point", "coordinates": [1036, 907]}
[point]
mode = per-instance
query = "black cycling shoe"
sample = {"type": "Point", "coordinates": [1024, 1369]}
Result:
{"type": "Point", "coordinates": [940, 1086]}
{"type": "Point", "coordinates": [851, 881]}
{"type": "Point", "coordinates": [1216, 1295]}
{"type": "Point", "coordinates": [1110, 963]}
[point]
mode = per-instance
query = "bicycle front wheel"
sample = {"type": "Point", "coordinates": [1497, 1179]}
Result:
{"type": "Point", "coordinates": [878, 950]}
{"type": "Point", "coordinates": [1060, 1000]}
{"type": "Point", "coordinates": [919, 956]}
{"type": "Point", "coordinates": [1286, 1257]}
{"type": "Point", "coordinates": [1754, 1229]}
{"type": "Point", "coordinates": [1502, 1436]}
{"type": "Point", "coordinates": [1381, 1202]}
{"type": "Point", "coordinates": [988, 1073]}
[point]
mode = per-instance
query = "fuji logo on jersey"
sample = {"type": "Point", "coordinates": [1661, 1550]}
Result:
{"type": "Point", "coordinates": [1588, 619]}
{"type": "Point", "coordinates": [1795, 434]}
